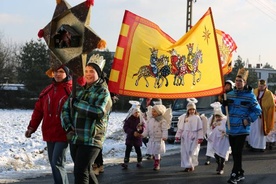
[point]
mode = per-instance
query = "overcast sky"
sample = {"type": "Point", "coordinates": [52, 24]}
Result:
{"type": "Point", "coordinates": [251, 23]}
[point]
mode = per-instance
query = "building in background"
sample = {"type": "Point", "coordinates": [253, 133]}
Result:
{"type": "Point", "coordinates": [268, 74]}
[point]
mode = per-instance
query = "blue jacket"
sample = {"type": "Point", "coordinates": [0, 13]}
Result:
{"type": "Point", "coordinates": [242, 104]}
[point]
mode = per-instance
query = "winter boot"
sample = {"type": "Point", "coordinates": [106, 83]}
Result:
{"type": "Point", "coordinates": [125, 164]}
{"type": "Point", "coordinates": [156, 165]}
{"type": "Point", "coordinates": [221, 165]}
{"type": "Point", "coordinates": [208, 160]}
{"type": "Point", "coordinates": [270, 146]}
{"type": "Point", "coordinates": [218, 162]}
{"type": "Point", "coordinates": [139, 162]}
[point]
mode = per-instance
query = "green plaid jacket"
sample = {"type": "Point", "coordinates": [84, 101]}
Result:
{"type": "Point", "coordinates": [88, 115]}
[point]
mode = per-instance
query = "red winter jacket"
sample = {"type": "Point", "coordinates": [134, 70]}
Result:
{"type": "Point", "coordinates": [48, 108]}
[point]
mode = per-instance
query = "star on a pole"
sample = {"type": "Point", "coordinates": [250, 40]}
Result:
{"type": "Point", "coordinates": [69, 36]}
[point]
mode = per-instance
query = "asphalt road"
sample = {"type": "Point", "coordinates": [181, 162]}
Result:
{"type": "Point", "coordinates": [260, 168]}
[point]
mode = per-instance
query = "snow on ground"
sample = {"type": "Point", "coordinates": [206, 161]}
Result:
{"type": "Point", "coordinates": [27, 158]}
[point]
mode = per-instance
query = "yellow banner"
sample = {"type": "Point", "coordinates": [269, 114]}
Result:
{"type": "Point", "coordinates": [149, 63]}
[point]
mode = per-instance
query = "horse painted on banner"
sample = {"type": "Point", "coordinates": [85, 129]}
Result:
{"type": "Point", "coordinates": [164, 72]}
{"type": "Point", "coordinates": [176, 62]}
{"type": "Point", "coordinates": [152, 70]}
{"type": "Point", "coordinates": [187, 67]}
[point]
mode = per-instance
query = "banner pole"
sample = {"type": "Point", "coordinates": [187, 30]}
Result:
{"type": "Point", "coordinates": [226, 110]}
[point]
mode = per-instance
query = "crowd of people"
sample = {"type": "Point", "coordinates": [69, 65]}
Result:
{"type": "Point", "coordinates": [78, 122]}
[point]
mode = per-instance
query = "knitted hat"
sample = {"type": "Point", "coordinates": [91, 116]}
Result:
{"type": "Point", "coordinates": [67, 72]}
{"type": "Point", "coordinates": [50, 71]}
{"type": "Point", "coordinates": [65, 68]}
{"type": "Point", "coordinates": [191, 103]}
{"type": "Point", "coordinates": [160, 109]}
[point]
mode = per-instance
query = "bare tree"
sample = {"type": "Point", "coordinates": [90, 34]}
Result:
{"type": "Point", "coordinates": [8, 60]}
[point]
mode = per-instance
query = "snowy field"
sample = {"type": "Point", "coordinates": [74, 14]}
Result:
{"type": "Point", "coordinates": [27, 158]}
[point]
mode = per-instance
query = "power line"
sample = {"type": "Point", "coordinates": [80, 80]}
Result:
{"type": "Point", "coordinates": [265, 7]}
{"type": "Point", "coordinates": [268, 6]}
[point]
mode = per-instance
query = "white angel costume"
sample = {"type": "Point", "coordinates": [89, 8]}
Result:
{"type": "Point", "coordinates": [157, 129]}
{"type": "Point", "coordinates": [219, 139]}
{"type": "Point", "coordinates": [190, 130]}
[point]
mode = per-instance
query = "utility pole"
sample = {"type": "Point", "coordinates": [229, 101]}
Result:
{"type": "Point", "coordinates": [189, 15]}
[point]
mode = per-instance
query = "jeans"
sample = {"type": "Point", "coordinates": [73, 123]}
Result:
{"type": "Point", "coordinates": [57, 159]}
{"type": "Point", "coordinates": [83, 156]}
{"type": "Point", "coordinates": [237, 144]}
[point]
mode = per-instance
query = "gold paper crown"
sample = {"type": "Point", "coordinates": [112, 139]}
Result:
{"type": "Point", "coordinates": [98, 60]}
{"type": "Point", "coordinates": [243, 73]}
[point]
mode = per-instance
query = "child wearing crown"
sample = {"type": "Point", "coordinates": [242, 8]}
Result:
{"type": "Point", "coordinates": [85, 116]}
{"type": "Point", "coordinates": [190, 131]}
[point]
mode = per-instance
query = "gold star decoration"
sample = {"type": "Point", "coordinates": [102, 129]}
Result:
{"type": "Point", "coordinates": [224, 53]}
{"type": "Point", "coordinates": [69, 36]}
{"type": "Point", "coordinates": [206, 34]}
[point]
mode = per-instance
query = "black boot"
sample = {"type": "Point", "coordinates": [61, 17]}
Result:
{"type": "Point", "coordinates": [218, 162]}
{"type": "Point", "coordinates": [139, 162]}
{"type": "Point", "coordinates": [208, 160]}
{"type": "Point", "coordinates": [222, 163]}
{"type": "Point", "coordinates": [125, 164]}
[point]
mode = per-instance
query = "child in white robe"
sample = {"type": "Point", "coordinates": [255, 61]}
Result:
{"type": "Point", "coordinates": [219, 139]}
{"type": "Point", "coordinates": [209, 150]}
{"type": "Point", "coordinates": [190, 132]}
{"type": "Point", "coordinates": [211, 125]}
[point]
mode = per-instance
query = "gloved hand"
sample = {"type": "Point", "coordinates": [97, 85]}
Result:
{"type": "Point", "coordinates": [28, 133]}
